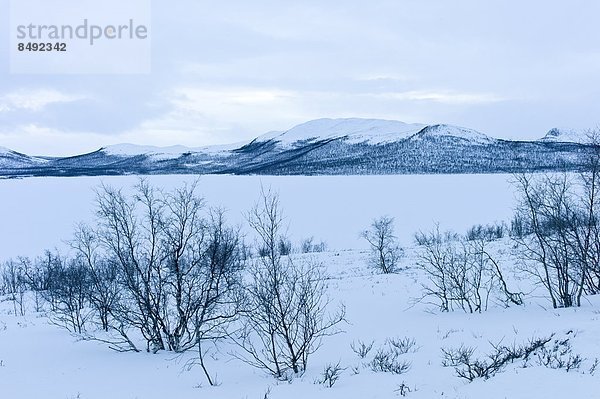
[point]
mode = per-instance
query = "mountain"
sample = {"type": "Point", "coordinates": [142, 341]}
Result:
{"type": "Point", "coordinates": [10, 159]}
{"type": "Point", "coordinates": [351, 130]}
{"type": "Point", "coordinates": [322, 147]}
{"type": "Point", "coordinates": [566, 136]}
{"type": "Point", "coordinates": [456, 133]}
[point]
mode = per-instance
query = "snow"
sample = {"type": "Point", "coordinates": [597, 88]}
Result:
{"type": "Point", "coordinates": [38, 359]}
{"type": "Point", "coordinates": [167, 152]}
{"type": "Point", "coordinates": [10, 153]}
{"type": "Point", "coordinates": [357, 130]}
{"type": "Point", "coordinates": [564, 135]}
{"type": "Point", "coordinates": [133, 149]}
{"type": "Point", "coordinates": [372, 131]}
{"type": "Point", "coordinates": [11, 159]}
{"type": "Point", "coordinates": [454, 131]}
{"type": "Point", "coordinates": [352, 130]}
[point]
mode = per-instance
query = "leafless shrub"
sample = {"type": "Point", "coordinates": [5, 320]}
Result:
{"type": "Point", "coordinates": [387, 360]}
{"type": "Point", "coordinates": [461, 274]}
{"type": "Point", "coordinates": [470, 368]}
{"type": "Point", "coordinates": [162, 265]}
{"type": "Point", "coordinates": [432, 237]}
{"type": "Point", "coordinates": [14, 284]}
{"type": "Point", "coordinates": [308, 245]}
{"type": "Point", "coordinates": [68, 289]}
{"type": "Point", "coordinates": [559, 356]}
{"type": "Point", "coordinates": [488, 232]}
{"type": "Point", "coordinates": [594, 366]}
{"type": "Point", "coordinates": [385, 251]}
{"type": "Point", "coordinates": [560, 244]}
{"type": "Point", "coordinates": [331, 373]}
{"type": "Point", "coordinates": [285, 314]}
{"type": "Point", "coordinates": [550, 253]}
{"type": "Point", "coordinates": [156, 265]}
{"type": "Point", "coordinates": [285, 246]}
{"type": "Point", "coordinates": [403, 389]}
{"type": "Point", "coordinates": [37, 276]}
{"type": "Point", "coordinates": [361, 348]}
{"type": "Point", "coordinates": [519, 227]}
{"type": "Point", "coordinates": [403, 345]}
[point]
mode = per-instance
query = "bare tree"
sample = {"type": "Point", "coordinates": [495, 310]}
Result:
{"type": "Point", "coordinates": [587, 236]}
{"type": "Point", "coordinates": [37, 276]}
{"type": "Point", "coordinates": [549, 254]}
{"type": "Point", "coordinates": [104, 291]}
{"type": "Point", "coordinates": [286, 316]}
{"type": "Point", "coordinates": [160, 264]}
{"type": "Point", "coordinates": [219, 285]}
{"type": "Point", "coordinates": [69, 288]}
{"type": "Point", "coordinates": [308, 245]}
{"type": "Point", "coordinates": [14, 284]}
{"type": "Point", "coordinates": [483, 256]}
{"type": "Point", "coordinates": [560, 211]}
{"type": "Point", "coordinates": [461, 273]}
{"type": "Point", "coordinates": [385, 251]}
{"type": "Point", "coordinates": [128, 230]}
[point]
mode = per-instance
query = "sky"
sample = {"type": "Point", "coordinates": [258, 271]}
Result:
{"type": "Point", "coordinates": [228, 71]}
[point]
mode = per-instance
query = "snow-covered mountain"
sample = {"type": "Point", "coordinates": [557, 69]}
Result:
{"type": "Point", "coordinates": [11, 159]}
{"type": "Point", "coordinates": [353, 130]}
{"type": "Point", "coordinates": [174, 151]}
{"type": "Point", "coordinates": [133, 149]}
{"type": "Point", "coordinates": [561, 135]}
{"type": "Point", "coordinates": [455, 132]}
{"type": "Point", "coordinates": [325, 146]}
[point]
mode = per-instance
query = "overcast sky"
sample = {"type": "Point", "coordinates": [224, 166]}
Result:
{"type": "Point", "coordinates": [230, 70]}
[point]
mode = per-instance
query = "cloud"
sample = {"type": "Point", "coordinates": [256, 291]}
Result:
{"type": "Point", "coordinates": [36, 139]}
{"type": "Point", "coordinates": [265, 65]}
{"type": "Point", "coordinates": [385, 77]}
{"type": "Point", "coordinates": [444, 97]}
{"type": "Point", "coordinates": [196, 115]}
{"type": "Point", "coordinates": [35, 100]}
{"type": "Point", "coordinates": [199, 116]}
{"type": "Point", "coordinates": [200, 98]}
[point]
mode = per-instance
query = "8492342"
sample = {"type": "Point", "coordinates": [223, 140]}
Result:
{"type": "Point", "coordinates": [42, 47]}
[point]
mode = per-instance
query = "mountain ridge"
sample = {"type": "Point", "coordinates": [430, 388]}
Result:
{"type": "Point", "coordinates": [324, 146]}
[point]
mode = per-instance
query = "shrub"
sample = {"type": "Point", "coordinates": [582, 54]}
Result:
{"type": "Point", "coordinates": [362, 349]}
{"type": "Point", "coordinates": [470, 368]}
{"type": "Point", "coordinates": [387, 360]}
{"type": "Point", "coordinates": [331, 373]}
{"type": "Point", "coordinates": [385, 251]}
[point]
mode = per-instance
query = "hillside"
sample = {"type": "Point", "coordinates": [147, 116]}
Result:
{"type": "Point", "coordinates": [326, 147]}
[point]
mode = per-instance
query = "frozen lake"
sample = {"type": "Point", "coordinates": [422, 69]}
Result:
{"type": "Point", "coordinates": [40, 213]}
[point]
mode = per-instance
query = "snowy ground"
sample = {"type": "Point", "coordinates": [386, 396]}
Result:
{"type": "Point", "coordinates": [41, 360]}
{"type": "Point", "coordinates": [38, 359]}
